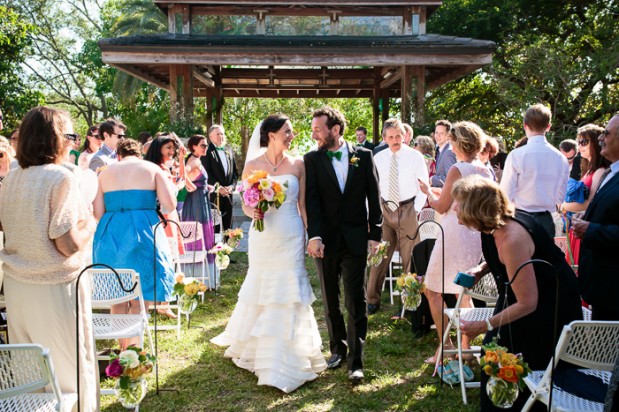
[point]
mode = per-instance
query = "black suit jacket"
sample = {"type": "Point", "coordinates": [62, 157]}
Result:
{"type": "Point", "coordinates": [598, 267]}
{"type": "Point", "coordinates": [215, 169]}
{"type": "Point", "coordinates": [367, 144]}
{"type": "Point", "coordinates": [343, 217]}
{"type": "Point", "coordinates": [575, 172]}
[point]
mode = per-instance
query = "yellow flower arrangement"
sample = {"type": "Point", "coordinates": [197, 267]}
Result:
{"type": "Point", "coordinates": [507, 372]}
{"type": "Point", "coordinates": [411, 287]}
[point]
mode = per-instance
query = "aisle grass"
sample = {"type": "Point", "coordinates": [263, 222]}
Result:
{"type": "Point", "coordinates": [396, 377]}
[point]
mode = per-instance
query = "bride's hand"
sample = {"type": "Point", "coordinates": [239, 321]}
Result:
{"type": "Point", "coordinates": [258, 214]}
{"type": "Point", "coordinates": [423, 186]}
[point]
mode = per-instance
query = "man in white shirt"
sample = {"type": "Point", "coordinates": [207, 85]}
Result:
{"type": "Point", "coordinates": [535, 175]}
{"type": "Point", "coordinates": [398, 170]}
{"type": "Point", "coordinates": [445, 157]}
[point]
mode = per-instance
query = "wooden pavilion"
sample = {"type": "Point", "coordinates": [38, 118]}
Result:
{"type": "Point", "coordinates": [298, 49]}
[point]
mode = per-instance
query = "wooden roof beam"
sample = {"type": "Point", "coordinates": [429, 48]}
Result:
{"type": "Point", "coordinates": [456, 72]}
{"type": "Point", "coordinates": [207, 81]}
{"type": "Point", "coordinates": [390, 77]}
{"type": "Point", "coordinates": [139, 74]}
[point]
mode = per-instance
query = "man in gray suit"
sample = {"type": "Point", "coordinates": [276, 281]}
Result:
{"type": "Point", "coordinates": [112, 131]}
{"type": "Point", "coordinates": [445, 157]}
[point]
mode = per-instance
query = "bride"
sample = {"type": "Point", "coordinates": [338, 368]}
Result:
{"type": "Point", "coordinates": [272, 331]}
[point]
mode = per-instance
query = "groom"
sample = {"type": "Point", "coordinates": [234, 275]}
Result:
{"type": "Point", "coordinates": [340, 179]}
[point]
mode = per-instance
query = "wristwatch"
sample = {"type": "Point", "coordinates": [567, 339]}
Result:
{"type": "Point", "coordinates": [489, 325]}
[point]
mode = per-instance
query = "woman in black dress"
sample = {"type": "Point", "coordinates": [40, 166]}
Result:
{"type": "Point", "coordinates": [524, 314]}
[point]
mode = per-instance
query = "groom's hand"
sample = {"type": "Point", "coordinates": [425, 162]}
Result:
{"type": "Point", "coordinates": [372, 247]}
{"type": "Point", "coordinates": [315, 248]}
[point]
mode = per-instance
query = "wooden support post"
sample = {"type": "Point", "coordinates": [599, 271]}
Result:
{"type": "Point", "coordinates": [187, 97]}
{"type": "Point", "coordinates": [407, 21]}
{"type": "Point", "coordinates": [385, 111]}
{"type": "Point", "coordinates": [406, 93]}
{"type": "Point", "coordinates": [173, 94]}
{"type": "Point", "coordinates": [334, 28]}
{"type": "Point", "coordinates": [423, 16]}
{"type": "Point", "coordinates": [421, 94]}
{"type": "Point", "coordinates": [171, 19]}
{"type": "Point", "coordinates": [219, 93]}
{"type": "Point", "coordinates": [375, 105]}
{"type": "Point", "coordinates": [186, 12]}
{"type": "Point", "coordinates": [209, 108]}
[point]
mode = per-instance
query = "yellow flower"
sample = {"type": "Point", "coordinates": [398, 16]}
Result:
{"type": "Point", "coordinates": [180, 277]}
{"type": "Point", "coordinates": [202, 287]}
{"type": "Point", "coordinates": [400, 282]}
{"type": "Point", "coordinates": [265, 184]}
{"type": "Point", "coordinates": [280, 197]}
{"type": "Point", "coordinates": [488, 370]}
{"type": "Point", "coordinates": [519, 370]}
{"type": "Point", "coordinates": [191, 289]}
{"type": "Point", "coordinates": [508, 359]}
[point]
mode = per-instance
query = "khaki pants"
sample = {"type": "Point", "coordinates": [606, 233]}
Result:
{"type": "Point", "coordinates": [45, 314]}
{"type": "Point", "coordinates": [406, 217]}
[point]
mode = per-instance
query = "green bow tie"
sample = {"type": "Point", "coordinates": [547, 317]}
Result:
{"type": "Point", "coordinates": [220, 148]}
{"type": "Point", "coordinates": [337, 155]}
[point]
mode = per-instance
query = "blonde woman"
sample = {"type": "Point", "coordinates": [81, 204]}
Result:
{"type": "Point", "coordinates": [467, 140]}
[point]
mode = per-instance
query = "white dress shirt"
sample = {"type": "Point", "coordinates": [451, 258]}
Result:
{"type": "Point", "coordinates": [223, 158]}
{"type": "Point", "coordinates": [411, 165]}
{"type": "Point", "coordinates": [341, 166]}
{"type": "Point", "coordinates": [535, 176]}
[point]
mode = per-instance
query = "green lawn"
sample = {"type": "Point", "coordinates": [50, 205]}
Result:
{"type": "Point", "coordinates": [396, 377]}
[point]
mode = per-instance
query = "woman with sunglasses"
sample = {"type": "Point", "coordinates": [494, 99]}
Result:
{"type": "Point", "coordinates": [592, 171]}
{"type": "Point", "coordinates": [197, 207]}
{"type": "Point", "coordinates": [92, 144]}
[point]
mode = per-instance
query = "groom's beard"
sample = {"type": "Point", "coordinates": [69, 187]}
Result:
{"type": "Point", "coordinates": [330, 142]}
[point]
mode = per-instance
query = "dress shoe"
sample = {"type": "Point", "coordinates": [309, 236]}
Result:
{"type": "Point", "coordinates": [373, 308]}
{"type": "Point", "coordinates": [335, 361]}
{"type": "Point", "coordinates": [355, 376]}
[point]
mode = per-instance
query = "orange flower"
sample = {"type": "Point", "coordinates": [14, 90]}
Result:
{"type": "Point", "coordinates": [256, 176]}
{"type": "Point", "coordinates": [491, 357]}
{"type": "Point", "coordinates": [180, 277]}
{"type": "Point", "coordinates": [276, 187]}
{"type": "Point", "coordinates": [508, 374]}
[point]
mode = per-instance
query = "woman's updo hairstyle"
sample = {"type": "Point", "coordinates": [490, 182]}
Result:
{"type": "Point", "coordinates": [272, 123]}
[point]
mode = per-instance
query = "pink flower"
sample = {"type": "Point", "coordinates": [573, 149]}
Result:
{"type": "Point", "coordinates": [268, 194]}
{"type": "Point", "coordinates": [114, 369]}
{"type": "Point", "coordinates": [251, 197]}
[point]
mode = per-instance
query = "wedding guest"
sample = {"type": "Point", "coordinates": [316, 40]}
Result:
{"type": "Point", "coordinates": [92, 144]}
{"type": "Point", "coordinates": [362, 138]}
{"type": "Point", "coordinates": [445, 157]}
{"type": "Point", "coordinates": [509, 239]}
{"type": "Point", "coordinates": [467, 139]}
{"type": "Point", "coordinates": [112, 132]}
{"type": "Point", "coordinates": [75, 153]}
{"type": "Point", "coordinates": [408, 135]}
{"type": "Point", "coordinates": [569, 149]}
{"type": "Point", "coordinates": [126, 206]}
{"type": "Point", "coordinates": [535, 175]}
{"type": "Point", "coordinates": [145, 138]}
{"type": "Point", "coordinates": [221, 170]}
{"type": "Point", "coordinates": [589, 148]}
{"type": "Point", "coordinates": [47, 226]}
{"type": "Point", "coordinates": [425, 145]}
{"type": "Point", "coordinates": [6, 158]}
{"type": "Point", "coordinates": [487, 153]}
{"type": "Point", "coordinates": [398, 169]}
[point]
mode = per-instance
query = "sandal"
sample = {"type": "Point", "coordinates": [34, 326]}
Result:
{"type": "Point", "coordinates": [450, 372]}
{"type": "Point", "coordinates": [432, 359]}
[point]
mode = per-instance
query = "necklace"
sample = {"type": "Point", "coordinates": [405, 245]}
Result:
{"type": "Point", "coordinates": [271, 164]}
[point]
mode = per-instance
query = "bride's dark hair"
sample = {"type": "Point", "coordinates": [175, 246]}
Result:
{"type": "Point", "coordinates": [272, 123]}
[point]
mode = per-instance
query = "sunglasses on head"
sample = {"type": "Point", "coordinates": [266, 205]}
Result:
{"type": "Point", "coordinates": [72, 136]}
{"type": "Point", "coordinates": [583, 142]}
{"type": "Point", "coordinates": [203, 146]}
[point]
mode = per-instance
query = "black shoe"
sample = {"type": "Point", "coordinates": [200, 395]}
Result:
{"type": "Point", "coordinates": [355, 376]}
{"type": "Point", "coordinates": [373, 308]}
{"type": "Point", "coordinates": [335, 361]}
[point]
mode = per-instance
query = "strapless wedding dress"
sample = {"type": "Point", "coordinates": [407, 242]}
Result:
{"type": "Point", "coordinates": [272, 331]}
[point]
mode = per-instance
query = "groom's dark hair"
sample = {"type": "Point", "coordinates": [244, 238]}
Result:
{"type": "Point", "coordinates": [333, 117]}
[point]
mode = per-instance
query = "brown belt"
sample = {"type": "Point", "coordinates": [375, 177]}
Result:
{"type": "Point", "coordinates": [402, 203]}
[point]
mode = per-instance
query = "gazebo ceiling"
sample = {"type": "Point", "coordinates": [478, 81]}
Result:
{"type": "Point", "coordinates": [297, 66]}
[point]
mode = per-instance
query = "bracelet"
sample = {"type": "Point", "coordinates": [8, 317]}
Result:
{"type": "Point", "coordinates": [489, 325]}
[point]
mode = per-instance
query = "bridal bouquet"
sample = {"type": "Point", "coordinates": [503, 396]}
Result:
{"type": "Point", "coordinates": [234, 236]}
{"type": "Point", "coordinates": [221, 252]}
{"type": "Point", "coordinates": [381, 253]}
{"type": "Point", "coordinates": [507, 372]}
{"type": "Point", "coordinates": [261, 192]}
{"type": "Point", "coordinates": [411, 287]}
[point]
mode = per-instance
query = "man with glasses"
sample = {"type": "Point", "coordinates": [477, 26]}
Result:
{"type": "Point", "coordinates": [535, 175]}
{"type": "Point", "coordinates": [599, 231]}
{"type": "Point", "coordinates": [113, 131]}
{"type": "Point", "coordinates": [569, 149]}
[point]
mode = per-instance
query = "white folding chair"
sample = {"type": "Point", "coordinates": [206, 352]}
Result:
{"type": "Point", "coordinates": [25, 370]}
{"type": "Point", "coordinates": [486, 290]}
{"type": "Point", "coordinates": [427, 231]}
{"type": "Point", "coordinates": [107, 291]}
{"type": "Point", "coordinates": [395, 263]}
{"type": "Point", "coordinates": [593, 345]}
{"type": "Point", "coordinates": [192, 234]}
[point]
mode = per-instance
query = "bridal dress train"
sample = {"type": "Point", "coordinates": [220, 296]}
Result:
{"type": "Point", "coordinates": [272, 331]}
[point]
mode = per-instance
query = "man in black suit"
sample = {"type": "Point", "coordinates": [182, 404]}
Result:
{"type": "Point", "coordinates": [362, 138]}
{"type": "Point", "coordinates": [598, 268]}
{"type": "Point", "coordinates": [341, 230]}
{"type": "Point", "coordinates": [220, 166]}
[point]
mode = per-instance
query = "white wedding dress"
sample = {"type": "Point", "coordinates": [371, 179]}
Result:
{"type": "Point", "coordinates": [272, 331]}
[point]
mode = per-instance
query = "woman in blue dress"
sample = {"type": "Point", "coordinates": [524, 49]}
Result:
{"type": "Point", "coordinates": [126, 206]}
{"type": "Point", "coordinates": [197, 207]}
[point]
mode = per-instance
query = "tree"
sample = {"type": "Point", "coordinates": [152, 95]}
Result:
{"type": "Point", "coordinates": [16, 98]}
{"type": "Point", "coordinates": [563, 54]}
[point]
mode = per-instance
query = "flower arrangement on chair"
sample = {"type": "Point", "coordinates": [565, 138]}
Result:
{"type": "Point", "coordinates": [187, 291]}
{"type": "Point", "coordinates": [263, 193]}
{"type": "Point", "coordinates": [411, 288]}
{"type": "Point", "coordinates": [234, 236]}
{"type": "Point", "coordinates": [129, 368]}
{"type": "Point", "coordinates": [507, 372]}
{"type": "Point", "coordinates": [221, 252]}
{"type": "Point", "coordinates": [380, 255]}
